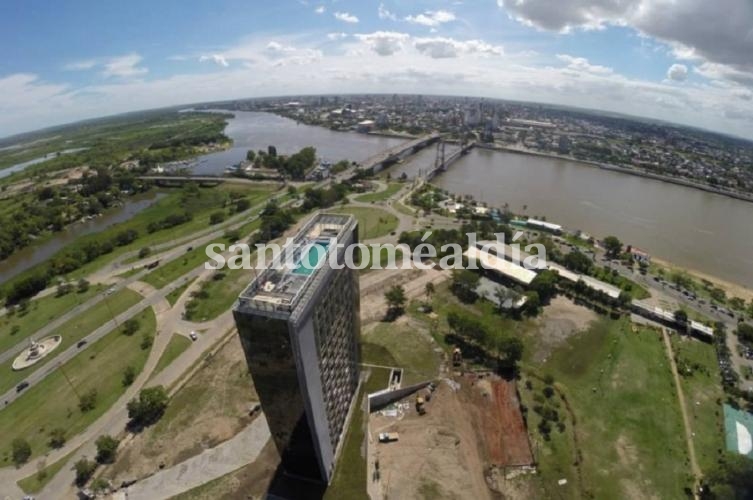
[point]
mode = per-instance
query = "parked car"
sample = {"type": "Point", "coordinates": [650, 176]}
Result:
{"type": "Point", "coordinates": [193, 336]}
{"type": "Point", "coordinates": [23, 385]}
{"type": "Point", "coordinates": [81, 343]}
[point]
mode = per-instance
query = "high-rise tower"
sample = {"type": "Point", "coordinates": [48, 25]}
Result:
{"type": "Point", "coordinates": [299, 325]}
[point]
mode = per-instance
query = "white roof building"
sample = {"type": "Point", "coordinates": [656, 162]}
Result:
{"type": "Point", "coordinates": [500, 265]}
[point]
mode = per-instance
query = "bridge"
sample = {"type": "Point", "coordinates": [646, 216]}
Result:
{"type": "Point", "coordinates": [441, 163]}
{"type": "Point", "coordinates": [394, 154]}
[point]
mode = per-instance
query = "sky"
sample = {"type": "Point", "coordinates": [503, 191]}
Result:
{"type": "Point", "coordinates": [684, 61]}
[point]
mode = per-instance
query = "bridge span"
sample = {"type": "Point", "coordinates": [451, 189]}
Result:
{"type": "Point", "coordinates": [442, 163]}
{"type": "Point", "coordinates": [386, 158]}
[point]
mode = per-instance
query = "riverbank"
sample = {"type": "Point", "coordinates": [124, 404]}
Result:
{"type": "Point", "coordinates": [732, 289]}
{"type": "Point", "coordinates": [624, 170]}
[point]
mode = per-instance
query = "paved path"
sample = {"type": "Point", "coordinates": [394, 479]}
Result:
{"type": "Point", "coordinates": [694, 468]}
{"type": "Point", "coordinates": [215, 462]}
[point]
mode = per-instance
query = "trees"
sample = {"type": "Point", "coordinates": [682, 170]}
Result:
{"type": "Point", "coordinates": [149, 406]}
{"type": "Point", "coordinates": [20, 451]}
{"type": "Point", "coordinates": [216, 217]}
{"type": "Point", "coordinates": [144, 252]}
{"type": "Point", "coordinates": [88, 401]}
{"type": "Point", "coordinates": [502, 295]}
{"type": "Point", "coordinates": [395, 297]}
{"type": "Point", "coordinates": [681, 317]}
{"type": "Point", "coordinates": [464, 284]}
{"type": "Point", "coordinates": [578, 261]}
{"type": "Point", "coordinates": [107, 447]}
{"type": "Point", "coordinates": [545, 285]}
{"type": "Point", "coordinates": [533, 304]}
{"type": "Point", "coordinates": [129, 375]}
{"type": "Point", "coordinates": [83, 286]}
{"type": "Point", "coordinates": [131, 326]}
{"type": "Point", "coordinates": [57, 438]}
{"type": "Point", "coordinates": [613, 247]}
{"type": "Point", "coordinates": [84, 469]}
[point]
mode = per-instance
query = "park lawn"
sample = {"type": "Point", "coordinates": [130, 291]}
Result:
{"type": "Point", "coordinates": [349, 476]}
{"type": "Point", "coordinates": [411, 350]}
{"type": "Point", "coordinates": [222, 291]}
{"type": "Point", "coordinates": [176, 294]}
{"type": "Point", "coordinates": [621, 391]}
{"type": "Point", "coordinates": [37, 481]}
{"type": "Point", "coordinates": [165, 274]}
{"type": "Point", "coordinates": [556, 457]}
{"type": "Point", "coordinates": [372, 222]}
{"type": "Point", "coordinates": [54, 402]}
{"type": "Point", "coordinates": [702, 386]}
{"type": "Point", "coordinates": [404, 209]}
{"type": "Point", "coordinates": [40, 312]}
{"type": "Point", "coordinates": [175, 347]}
{"type": "Point", "coordinates": [629, 286]}
{"type": "Point", "coordinates": [392, 188]}
{"type": "Point", "coordinates": [72, 331]}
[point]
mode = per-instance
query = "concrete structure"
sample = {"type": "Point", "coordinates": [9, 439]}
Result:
{"type": "Point", "coordinates": [35, 352]}
{"type": "Point", "coordinates": [544, 225]}
{"type": "Point", "coordinates": [503, 267]}
{"type": "Point", "coordinates": [299, 323]}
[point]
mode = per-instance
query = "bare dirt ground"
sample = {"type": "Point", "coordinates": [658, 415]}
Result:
{"type": "Point", "coordinates": [561, 319]}
{"type": "Point", "coordinates": [211, 408]}
{"type": "Point", "coordinates": [495, 407]}
{"type": "Point", "coordinates": [437, 455]}
{"type": "Point", "coordinates": [375, 283]}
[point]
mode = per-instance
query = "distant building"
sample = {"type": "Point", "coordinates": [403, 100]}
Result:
{"type": "Point", "coordinates": [299, 323]}
{"type": "Point", "coordinates": [639, 255]}
{"type": "Point", "coordinates": [543, 225]}
{"type": "Point", "coordinates": [365, 126]}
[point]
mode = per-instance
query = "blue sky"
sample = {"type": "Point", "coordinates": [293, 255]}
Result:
{"type": "Point", "coordinates": [685, 61]}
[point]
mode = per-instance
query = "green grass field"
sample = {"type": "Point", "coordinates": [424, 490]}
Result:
{"type": "Point", "coordinates": [372, 222]}
{"type": "Point", "coordinates": [221, 294]}
{"type": "Point", "coordinates": [165, 274]}
{"type": "Point", "coordinates": [176, 294]}
{"type": "Point", "coordinates": [175, 347]}
{"type": "Point", "coordinates": [628, 424]}
{"type": "Point", "coordinates": [403, 346]}
{"type": "Point", "coordinates": [74, 330]}
{"type": "Point", "coordinates": [701, 383]}
{"type": "Point", "coordinates": [54, 401]}
{"type": "Point", "coordinates": [41, 311]}
{"type": "Point", "coordinates": [36, 482]}
{"type": "Point", "coordinates": [392, 188]}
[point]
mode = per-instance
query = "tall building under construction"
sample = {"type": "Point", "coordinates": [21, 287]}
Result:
{"type": "Point", "coordinates": [299, 325]}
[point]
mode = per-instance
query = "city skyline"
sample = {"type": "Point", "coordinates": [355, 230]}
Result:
{"type": "Point", "coordinates": [640, 58]}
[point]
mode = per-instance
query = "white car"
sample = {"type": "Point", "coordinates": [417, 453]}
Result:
{"type": "Point", "coordinates": [193, 336]}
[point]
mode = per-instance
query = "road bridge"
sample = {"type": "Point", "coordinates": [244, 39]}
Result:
{"type": "Point", "coordinates": [442, 162]}
{"type": "Point", "coordinates": [386, 158]}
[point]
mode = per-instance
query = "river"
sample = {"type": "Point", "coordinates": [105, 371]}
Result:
{"type": "Point", "coordinates": [691, 228]}
{"type": "Point", "coordinates": [254, 130]}
{"type": "Point", "coordinates": [33, 255]}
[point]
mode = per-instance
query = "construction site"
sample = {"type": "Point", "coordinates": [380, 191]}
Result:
{"type": "Point", "coordinates": [460, 437]}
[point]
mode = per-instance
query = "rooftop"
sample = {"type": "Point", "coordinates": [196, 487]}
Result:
{"type": "Point", "coordinates": [280, 286]}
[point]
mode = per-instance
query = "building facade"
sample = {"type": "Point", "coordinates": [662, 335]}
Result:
{"type": "Point", "coordinates": [299, 326]}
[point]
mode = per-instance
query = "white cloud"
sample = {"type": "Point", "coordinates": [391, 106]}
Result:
{"type": "Point", "coordinates": [386, 14]}
{"type": "Point", "coordinates": [80, 65]}
{"type": "Point", "coordinates": [345, 17]}
{"type": "Point", "coordinates": [718, 31]}
{"type": "Point", "coordinates": [320, 9]}
{"type": "Point", "coordinates": [432, 18]}
{"type": "Point", "coordinates": [677, 72]}
{"type": "Point", "coordinates": [439, 48]}
{"type": "Point", "coordinates": [581, 65]}
{"type": "Point", "coordinates": [218, 59]}
{"type": "Point", "coordinates": [384, 43]}
{"type": "Point", "coordinates": [336, 36]}
{"type": "Point", "coordinates": [124, 66]}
